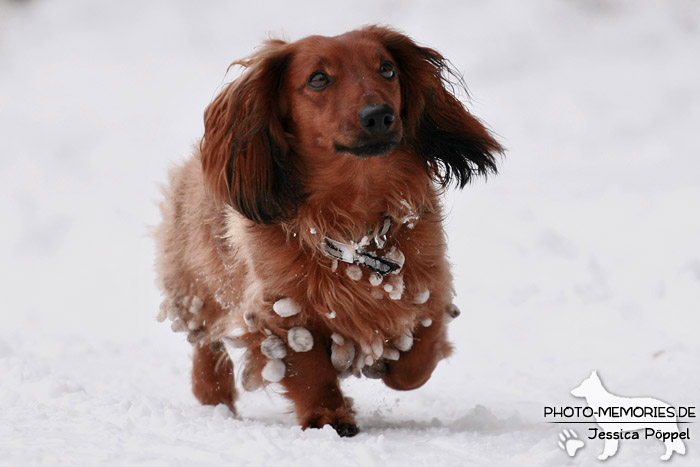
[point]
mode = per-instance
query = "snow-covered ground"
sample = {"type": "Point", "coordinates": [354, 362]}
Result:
{"type": "Point", "coordinates": [584, 253]}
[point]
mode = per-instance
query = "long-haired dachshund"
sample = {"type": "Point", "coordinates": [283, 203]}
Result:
{"type": "Point", "coordinates": [306, 230]}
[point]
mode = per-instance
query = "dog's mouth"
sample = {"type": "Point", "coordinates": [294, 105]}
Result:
{"type": "Point", "coordinates": [370, 149]}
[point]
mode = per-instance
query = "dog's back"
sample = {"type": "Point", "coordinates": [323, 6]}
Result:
{"type": "Point", "coordinates": [189, 265]}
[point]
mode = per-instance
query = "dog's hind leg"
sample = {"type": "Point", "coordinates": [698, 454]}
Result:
{"type": "Point", "coordinates": [609, 449]}
{"type": "Point", "coordinates": [212, 376]}
{"type": "Point", "coordinates": [673, 446]}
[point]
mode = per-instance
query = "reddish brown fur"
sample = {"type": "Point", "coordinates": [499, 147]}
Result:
{"type": "Point", "coordinates": [312, 384]}
{"type": "Point", "coordinates": [244, 219]}
{"type": "Point", "coordinates": [212, 376]}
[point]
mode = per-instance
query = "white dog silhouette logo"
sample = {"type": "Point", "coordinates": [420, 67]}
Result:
{"type": "Point", "coordinates": [597, 398]}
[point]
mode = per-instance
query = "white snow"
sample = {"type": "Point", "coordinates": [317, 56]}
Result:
{"type": "Point", "coordinates": [273, 347]}
{"type": "Point", "coordinates": [274, 370]}
{"type": "Point", "coordinates": [342, 354]}
{"type": "Point", "coordinates": [581, 254]}
{"type": "Point", "coordinates": [196, 305]}
{"type": "Point", "coordinates": [286, 307]}
{"type": "Point", "coordinates": [354, 272]}
{"type": "Point", "coordinates": [421, 297]}
{"type": "Point", "coordinates": [364, 241]}
{"type": "Point", "coordinates": [337, 338]}
{"type": "Point", "coordinates": [366, 348]}
{"type": "Point", "coordinates": [235, 333]}
{"type": "Point", "coordinates": [179, 325]}
{"type": "Point", "coordinates": [405, 341]}
{"type": "Point", "coordinates": [396, 291]}
{"type": "Point", "coordinates": [427, 322]}
{"type": "Point", "coordinates": [193, 324]}
{"type": "Point", "coordinates": [410, 218]}
{"type": "Point", "coordinates": [300, 339]}
{"type": "Point", "coordinates": [375, 279]}
{"type": "Point", "coordinates": [234, 342]}
{"type": "Point", "coordinates": [390, 354]}
{"type": "Point", "coordinates": [377, 347]}
{"type": "Point", "coordinates": [396, 256]}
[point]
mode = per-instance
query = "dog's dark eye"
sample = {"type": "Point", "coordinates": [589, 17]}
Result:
{"type": "Point", "coordinates": [386, 69]}
{"type": "Point", "coordinates": [318, 80]}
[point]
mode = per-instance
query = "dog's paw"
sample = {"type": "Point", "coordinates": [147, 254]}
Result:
{"type": "Point", "coordinates": [341, 419]}
{"type": "Point", "coordinates": [346, 430]}
{"type": "Point", "coordinates": [569, 442]}
{"type": "Point", "coordinates": [377, 370]}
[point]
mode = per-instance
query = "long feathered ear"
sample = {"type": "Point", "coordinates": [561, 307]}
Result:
{"type": "Point", "coordinates": [246, 160]}
{"type": "Point", "coordinates": [455, 144]}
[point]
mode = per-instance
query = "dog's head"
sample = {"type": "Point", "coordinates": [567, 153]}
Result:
{"type": "Point", "coordinates": [303, 106]}
{"type": "Point", "coordinates": [344, 96]}
{"type": "Point", "coordinates": [588, 386]}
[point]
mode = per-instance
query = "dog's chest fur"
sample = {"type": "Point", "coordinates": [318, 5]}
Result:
{"type": "Point", "coordinates": [334, 296]}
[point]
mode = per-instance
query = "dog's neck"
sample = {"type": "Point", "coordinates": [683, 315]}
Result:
{"type": "Point", "coordinates": [351, 201]}
{"type": "Point", "coordinates": [368, 251]}
{"type": "Point", "coordinates": [367, 239]}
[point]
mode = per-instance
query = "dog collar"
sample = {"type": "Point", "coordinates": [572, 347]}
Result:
{"type": "Point", "coordinates": [356, 252]}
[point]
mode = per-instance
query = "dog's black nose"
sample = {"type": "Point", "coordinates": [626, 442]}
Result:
{"type": "Point", "coordinates": [377, 119]}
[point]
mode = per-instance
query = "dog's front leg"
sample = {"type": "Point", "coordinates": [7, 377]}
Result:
{"type": "Point", "coordinates": [609, 449]}
{"type": "Point", "coordinates": [312, 385]}
{"type": "Point", "coordinates": [415, 367]}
